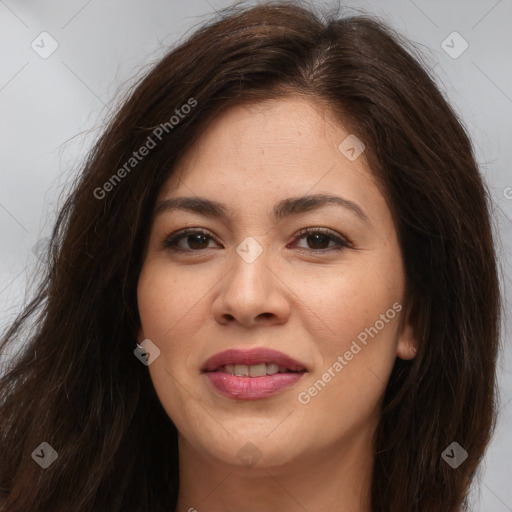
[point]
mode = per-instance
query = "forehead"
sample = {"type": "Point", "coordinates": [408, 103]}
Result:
{"type": "Point", "coordinates": [290, 145]}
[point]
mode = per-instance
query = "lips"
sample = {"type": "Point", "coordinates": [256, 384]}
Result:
{"type": "Point", "coordinates": [252, 374]}
{"type": "Point", "coordinates": [253, 357]}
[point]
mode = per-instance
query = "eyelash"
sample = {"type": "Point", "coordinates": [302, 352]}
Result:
{"type": "Point", "coordinates": [170, 243]}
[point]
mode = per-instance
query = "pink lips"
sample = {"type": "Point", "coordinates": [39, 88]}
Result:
{"type": "Point", "coordinates": [252, 388]}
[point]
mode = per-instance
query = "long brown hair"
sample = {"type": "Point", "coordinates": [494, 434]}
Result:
{"type": "Point", "coordinates": [88, 397]}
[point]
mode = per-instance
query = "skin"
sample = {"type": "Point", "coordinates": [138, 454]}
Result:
{"type": "Point", "coordinates": [310, 305]}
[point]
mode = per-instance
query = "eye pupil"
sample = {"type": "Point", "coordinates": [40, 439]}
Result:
{"type": "Point", "coordinates": [192, 239]}
{"type": "Point", "coordinates": [316, 239]}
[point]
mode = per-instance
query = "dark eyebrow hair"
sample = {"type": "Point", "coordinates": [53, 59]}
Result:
{"type": "Point", "coordinates": [285, 208]}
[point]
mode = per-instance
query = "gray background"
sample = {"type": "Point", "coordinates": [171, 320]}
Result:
{"type": "Point", "coordinates": [53, 108]}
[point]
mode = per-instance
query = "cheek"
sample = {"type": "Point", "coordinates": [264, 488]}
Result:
{"type": "Point", "coordinates": [171, 313]}
{"type": "Point", "coordinates": [356, 355]}
{"type": "Point", "coordinates": [347, 301]}
{"type": "Point", "coordinates": [169, 300]}
{"type": "Point", "coordinates": [357, 315]}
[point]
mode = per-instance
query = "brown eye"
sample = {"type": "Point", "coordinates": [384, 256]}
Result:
{"type": "Point", "coordinates": [318, 240]}
{"type": "Point", "coordinates": [194, 240]}
{"type": "Point", "coordinates": [197, 241]}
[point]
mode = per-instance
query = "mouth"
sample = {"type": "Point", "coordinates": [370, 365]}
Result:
{"type": "Point", "coordinates": [252, 374]}
{"type": "Point", "coordinates": [256, 362]}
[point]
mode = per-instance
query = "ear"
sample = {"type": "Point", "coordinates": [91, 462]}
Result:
{"type": "Point", "coordinates": [407, 342]}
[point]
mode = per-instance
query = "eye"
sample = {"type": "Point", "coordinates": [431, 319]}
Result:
{"type": "Point", "coordinates": [318, 238]}
{"type": "Point", "coordinates": [198, 239]}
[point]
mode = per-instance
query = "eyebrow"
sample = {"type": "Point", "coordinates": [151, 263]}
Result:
{"type": "Point", "coordinates": [285, 208]}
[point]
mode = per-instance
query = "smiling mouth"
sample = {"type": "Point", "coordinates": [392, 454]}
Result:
{"type": "Point", "coordinates": [252, 382]}
{"type": "Point", "coordinates": [252, 374]}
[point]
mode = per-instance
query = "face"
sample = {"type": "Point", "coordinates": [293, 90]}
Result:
{"type": "Point", "coordinates": [246, 277]}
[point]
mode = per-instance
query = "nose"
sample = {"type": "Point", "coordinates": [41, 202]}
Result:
{"type": "Point", "coordinates": [251, 294]}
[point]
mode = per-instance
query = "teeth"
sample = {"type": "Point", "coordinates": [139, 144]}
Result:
{"type": "Point", "coordinates": [254, 370]}
{"type": "Point", "coordinates": [241, 370]}
{"type": "Point", "coordinates": [258, 370]}
{"type": "Point", "coordinates": [272, 368]}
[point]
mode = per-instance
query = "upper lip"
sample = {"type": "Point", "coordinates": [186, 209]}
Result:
{"type": "Point", "coordinates": [251, 357]}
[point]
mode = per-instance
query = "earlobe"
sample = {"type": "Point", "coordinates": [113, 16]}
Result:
{"type": "Point", "coordinates": [406, 352]}
{"type": "Point", "coordinates": [407, 342]}
{"type": "Point", "coordinates": [406, 349]}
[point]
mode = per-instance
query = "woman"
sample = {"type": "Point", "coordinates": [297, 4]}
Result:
{"type": "Point", "coordinates": [273, 287]}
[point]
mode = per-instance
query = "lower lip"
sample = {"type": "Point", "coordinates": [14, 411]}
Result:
{"type": "Point", "coordinates": [251, 388]}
